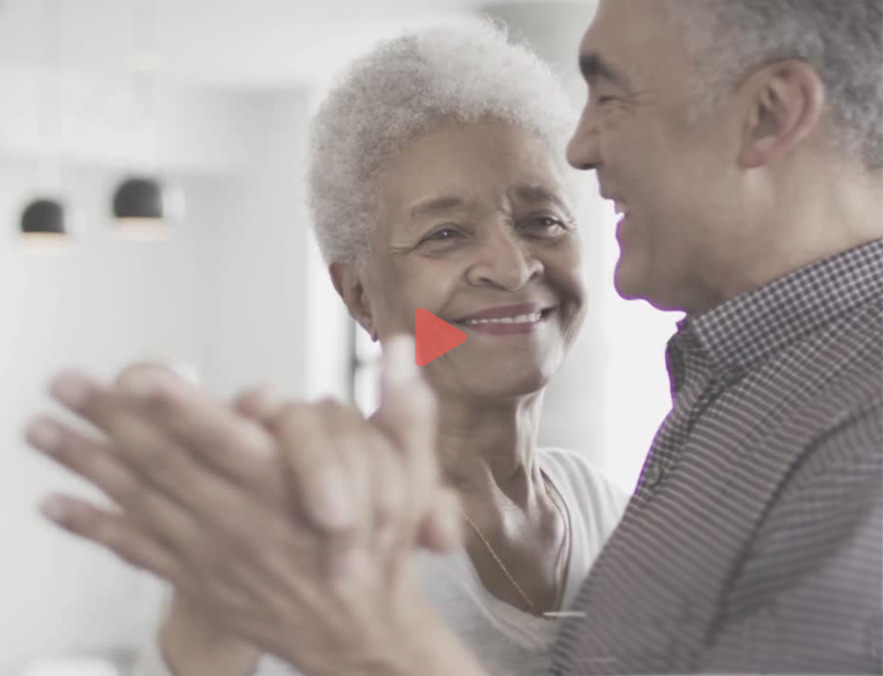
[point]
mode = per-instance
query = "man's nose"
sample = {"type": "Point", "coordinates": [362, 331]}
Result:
{"type": "Point", "coordinates": [583, 150]}
{"type": "Point", "coordinates": [505, 261]}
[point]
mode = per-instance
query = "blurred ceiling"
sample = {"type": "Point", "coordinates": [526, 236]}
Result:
{"type": "Point", "coordinates": [78, 76]}
{"type": "Point", "coordinates": [219, 43]}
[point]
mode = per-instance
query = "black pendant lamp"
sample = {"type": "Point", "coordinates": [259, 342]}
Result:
{"type": "Point", "coordinates": [139, 207]}
{"type": "Point", "coordinates": [138, 198]}
{"type": "Point", "coordinates": [43, 218]}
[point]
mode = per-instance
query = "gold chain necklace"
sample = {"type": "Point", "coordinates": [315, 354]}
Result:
{"type": "Point", "coordinates": [553, 494]}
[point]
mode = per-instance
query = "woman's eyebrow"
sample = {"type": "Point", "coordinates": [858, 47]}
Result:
{"type": "Point", "coordinates": [435, 206]}
{"type": "Point", "coordinates": [537, 194]}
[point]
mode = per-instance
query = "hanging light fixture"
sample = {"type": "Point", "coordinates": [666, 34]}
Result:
{"type": "Point", "coordinates": [43, 219]}
{"type": "Point", "coordinates": [141, 209]}
{"type": "Point", "coordinates": [138, 200]}
{"type": "Point", "coordinates": [140, 203]}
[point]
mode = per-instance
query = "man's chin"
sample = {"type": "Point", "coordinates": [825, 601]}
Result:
{"type": "Point", "coordinates": [630, 289]}
{"type": "Point", "coordinates": [626, 283]}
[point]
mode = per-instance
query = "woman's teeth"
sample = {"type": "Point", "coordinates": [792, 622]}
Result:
{"type": "Point", "coordinates": [518, 319]}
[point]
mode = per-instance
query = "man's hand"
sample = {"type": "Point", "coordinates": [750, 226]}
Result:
{"type": "Point", "coordinates": [295, 533]}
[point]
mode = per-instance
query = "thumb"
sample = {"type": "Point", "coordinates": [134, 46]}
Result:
{"type": "Point", "coordinates": [407, 413]}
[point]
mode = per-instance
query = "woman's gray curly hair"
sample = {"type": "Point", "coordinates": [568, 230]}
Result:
{"type": "Point", "coordinates": [463, 72]}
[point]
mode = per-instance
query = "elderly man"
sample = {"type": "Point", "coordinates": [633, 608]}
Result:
{"type": "Point", "coordinates": [741, 142]}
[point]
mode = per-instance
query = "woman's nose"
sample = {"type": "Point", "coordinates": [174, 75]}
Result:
{"type": "Point", "coordinates": [506, 262]}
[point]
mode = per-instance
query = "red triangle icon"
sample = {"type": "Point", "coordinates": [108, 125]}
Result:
{"type": "Point", "coordinates": [433, 336]}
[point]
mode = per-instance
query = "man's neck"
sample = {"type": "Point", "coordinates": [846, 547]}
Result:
{"type": "Point", "coordinates": [798, 224]}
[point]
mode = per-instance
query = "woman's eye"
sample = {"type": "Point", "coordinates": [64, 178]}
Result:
{"type": "Point", "coordinates": [443, 234]}
{"type": "Point", "coordinates": [544, 225]}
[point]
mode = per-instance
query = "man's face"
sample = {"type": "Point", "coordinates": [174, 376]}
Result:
{"type": "Point", "coordinates": [667, 173]}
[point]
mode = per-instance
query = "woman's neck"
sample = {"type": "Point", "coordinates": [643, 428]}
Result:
{"type": "Point", "coordinates": [488, 453]}
{"type": "Point", "coordinates": [487, 450]}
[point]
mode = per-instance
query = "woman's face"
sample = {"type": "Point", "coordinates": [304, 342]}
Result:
{"type": "Point", "coordinates": [473, 227]}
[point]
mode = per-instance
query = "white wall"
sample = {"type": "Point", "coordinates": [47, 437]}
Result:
{"type": "Point", "coordinates": [101, 304]}
{"type": "Point", "coordinates": [256, 250]}
{"type": "Point", "coordinates": [226, 293]}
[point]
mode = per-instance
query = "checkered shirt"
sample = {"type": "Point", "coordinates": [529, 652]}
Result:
{"type": "Point", "coordinates": [753, 540]}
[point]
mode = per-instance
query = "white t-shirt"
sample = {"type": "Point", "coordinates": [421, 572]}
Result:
{"type": "Point", "coordinates": [507, 641]}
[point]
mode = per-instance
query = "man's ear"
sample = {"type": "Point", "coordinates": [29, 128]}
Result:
{"type": "Point", "coordinates": [347, 281]}
{"type": "Point", "coordinates": [787, 101]}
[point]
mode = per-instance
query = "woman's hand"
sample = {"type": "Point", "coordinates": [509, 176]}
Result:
{"type": "Point", "coordinates": [193, 643]}
{"type": "Point", "coordinates": [297, 539]}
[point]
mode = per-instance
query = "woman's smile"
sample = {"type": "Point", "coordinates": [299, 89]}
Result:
{"type": "Point", "coordinates": [508, 320]}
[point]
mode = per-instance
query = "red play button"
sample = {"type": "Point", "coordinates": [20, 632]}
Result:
{"type": "Point", "coordinates": [433, 336]}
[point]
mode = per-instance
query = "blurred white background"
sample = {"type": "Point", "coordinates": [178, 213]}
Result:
{"type": "Point", "coordinates": [237, 291]}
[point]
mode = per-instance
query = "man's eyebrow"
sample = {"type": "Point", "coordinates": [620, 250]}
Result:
{"type": "Point", "coordinates": [593, 67]}
{"type": "Point", "coordinates": [435, 206]}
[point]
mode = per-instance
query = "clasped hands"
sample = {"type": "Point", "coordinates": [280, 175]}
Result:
{"type": "Point", "coordinates": [291, 523]}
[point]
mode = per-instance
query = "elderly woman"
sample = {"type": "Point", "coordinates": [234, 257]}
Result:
{"type": "Point", "coordinates": [438, 182]}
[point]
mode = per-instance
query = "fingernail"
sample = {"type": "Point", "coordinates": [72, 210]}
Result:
{"type": "Point", "coordinates": [43, 434]}
{"type": "Point", "coordinates": [399, 363]}
{"type": "Point", "coordinates": [141, 384]}
{"type": "Point", "coordinates": [186, 371]}
{"type": "Point", "coordinates": [71, 389]}
{"type": "Point", "coordinates": [53, 508]}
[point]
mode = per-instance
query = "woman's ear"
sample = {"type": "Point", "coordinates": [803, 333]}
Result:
{"type": "Point", "coordinates": [787, 102]}
{"type": "Point", "coordinates": [347, 280]}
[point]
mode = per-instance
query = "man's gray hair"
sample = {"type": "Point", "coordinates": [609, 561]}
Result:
{"type": "Point", "coordinates": [840, 39]}
{"type": "Point", "coordinates": [467, 72]}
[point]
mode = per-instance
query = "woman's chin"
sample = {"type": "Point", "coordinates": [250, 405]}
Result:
{"type": "Point", "coordinates": [496, 384]}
